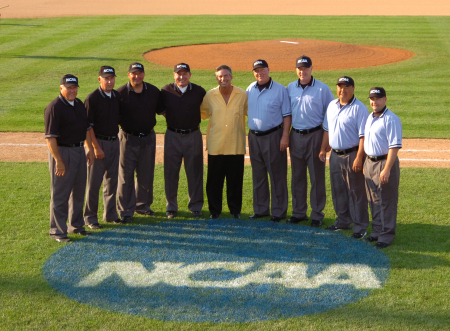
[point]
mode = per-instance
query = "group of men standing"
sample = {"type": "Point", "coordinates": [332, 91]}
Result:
{"type": "Point", "coordinates": [319, 123]}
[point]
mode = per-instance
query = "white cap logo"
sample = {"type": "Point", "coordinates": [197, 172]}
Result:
{"type": "Point", "coordinates": [136, 66]}
{"type": "Point", "coordinates": [302, 61]}
{"type": "Point", "coordinates": [71, 79]}
{"type": "Point", "coordinates": [181, 66]}
{"type": "Point", "coordinates": [257, 62]}
{"type": "Point", "coordinates": [108, 70]}
{"type": "Point", "coordinates": [343, 79]}
{"type": "Point", "coordinates": [375, 91]}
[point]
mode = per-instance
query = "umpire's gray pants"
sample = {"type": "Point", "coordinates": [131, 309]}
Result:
{"type": "Point", "coordinates": [266, 157]}
{"type": "Point", "coordinates": [383, 199]}
{"type": "Point", "coordinates": [348, 190]}
{"type": "Point", "coordinates": [189, 147]}
{"type": "Point", "coordinates": [304, 151]}
{"type": "Point", "coordinates": [136, 155]}
{"type": "Point", "coordinates": [104, 170]}
{"type": "Point", "coordinates": [67, 192]}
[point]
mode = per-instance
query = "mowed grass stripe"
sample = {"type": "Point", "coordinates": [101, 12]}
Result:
{"type": "Point", "coordinates": [45, 49]}
{"type": "Point", "coordinates": [415, 297]}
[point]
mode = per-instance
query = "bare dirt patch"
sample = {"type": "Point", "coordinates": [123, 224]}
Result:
{"type": "Point", "coordinates": [31, 146]}
{"type": "Point", "coordinates": [280, 54]}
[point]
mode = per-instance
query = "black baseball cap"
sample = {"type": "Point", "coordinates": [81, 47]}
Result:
{"type": "Point", "coordinates": [136, 66]}
{"type": "Point", "coordinates": [345, 80]}
{"type": "Point", "coordinates": [303, 61]}
{"type": "Point", "coordinates": [181, 66]}
{"type": "Point", "coordinates": [107, 71]}
{"type": "Point", "coordinates": [69, 80]}
{"type": "Point", "coordinates": [260, 64]}
{"type": "Point", "coordinates": [377, 92]}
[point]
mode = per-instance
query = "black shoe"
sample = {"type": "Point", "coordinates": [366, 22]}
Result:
{"type": "Point", "coordinates": [335, 228]}
{"type": "Point", "coordinates": [145, 212]}
{"type": "Point", "coordinates": [370, 239]}
{"type": "Point", "coordinates": [95, 226]}
{"type": "Point", "coordinates": [171, 214]}
{"type": "Point", "coordinates": [63, 240]}
{"type": "Point", "coordinates": [83, 233]}
{"type": "Point", "coordinates": [359, 235]}
{"type": "Point", "coordinates": [275, 219]}
{"type": "Point", "coordinates": [197, 213]}
{"type": "Point", "coordinates": [381, 245]}
{"type": "Point", "coordinates": [255, 216]}
{"type": "Point", "coordinates": [295, 220]}
{"type": "Point", "coordinates": [236, 216]}
{"type": "Point", "coordinates": [127, 219]}
{"type": "Point", "coordinates": [316, 223]}
{"type": "Point", "coordinates": [214, 216]}
{"type": "Point", "coordinates": [117, 221]}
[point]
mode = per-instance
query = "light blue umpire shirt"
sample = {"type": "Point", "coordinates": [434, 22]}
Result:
{"type": "Point", "coordinates": [345, 125]}
{"type": "Point", "coordinates": [266, 109]}
{"type": "Point", "coordinates": [382, 133]}
{"type": "Point", "coordinates": [309, 105]}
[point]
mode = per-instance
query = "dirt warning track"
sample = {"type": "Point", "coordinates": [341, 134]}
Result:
{"type": "Point", "coordinates": [31, 146]}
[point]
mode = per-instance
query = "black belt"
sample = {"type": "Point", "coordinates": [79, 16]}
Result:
{"type": "Point", "coordinates": [138, 134]}
{"type": "Point", "coordinates": [303, 132]}
{"type": "Point", "coordinates": [264, 133]}
{"type": "Point", "coordinates": [80, 144]}
{"type": "Point", "coordinates": [345, 151]}
{"type": "Point", "coordinates": [181, 131]}
{"type": "Point", "coordinates": [377, 158]}
{"type": "Point", "coordinates": [108, 138]}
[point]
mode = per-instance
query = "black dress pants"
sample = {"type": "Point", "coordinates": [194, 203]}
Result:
{"type": "Point", "coordinates": [220, 167]}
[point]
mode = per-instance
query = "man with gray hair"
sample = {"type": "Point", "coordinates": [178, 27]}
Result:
{"type": "Point", "coordinates": [66, 132]}
{"type": "Point", "coordinates": [226, 107]}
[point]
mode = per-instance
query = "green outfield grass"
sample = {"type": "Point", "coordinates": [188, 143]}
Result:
{"type": "Point", "coordinates": [415, 297]}
{"type": "Point", "coordinates": [36, 53]}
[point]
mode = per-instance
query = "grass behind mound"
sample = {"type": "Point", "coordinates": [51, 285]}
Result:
{"type": "Point", "coordinates": [36, 53]}
{"type": "Point", "coordinates": [415, 296]}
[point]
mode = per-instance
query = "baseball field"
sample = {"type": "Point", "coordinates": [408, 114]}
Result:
{"type": "Point", "coordinates": [40, 42]}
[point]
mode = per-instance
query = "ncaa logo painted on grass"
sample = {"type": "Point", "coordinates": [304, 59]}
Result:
{"type": "Point", "coordinates": [217, 271]}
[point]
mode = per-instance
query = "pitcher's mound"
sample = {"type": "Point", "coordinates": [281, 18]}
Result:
{"type": "Point", "coordinates": [279, 54]}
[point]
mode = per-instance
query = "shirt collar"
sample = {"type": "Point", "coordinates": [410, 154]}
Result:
{"type": "Point", "coordinates": [382, 114]}
{"type": "Point", "coordinates": [311, 82]}
{"type": "Point", "coordinates": [349, 103]}
{"type": "Point", "coordinates": [130, 87]}
{"type": "Point", "coordinates": [103, 94]}
{"type": "Point", "coordinates": [267, 85]}
{"type": "Point", "coordinates": [176, 88]}
{"type": "Point", "coordinates": [64, 100]}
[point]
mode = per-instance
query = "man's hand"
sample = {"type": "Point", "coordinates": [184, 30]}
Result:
{"type": "Point", "coordinates": [90, 157]}
{"type": "Point", "coordinates": [384, 176]}
{"type": "Point", "coordinates": [323, 155]}
{"type": "Point", "coordinates": [357, 164]}
{"type": "Point", "coordinates": [99, 154]}
{"type": "Point", "coordinates": [284, 142]}
{"type": "Point", "coordinates": [60, 168]}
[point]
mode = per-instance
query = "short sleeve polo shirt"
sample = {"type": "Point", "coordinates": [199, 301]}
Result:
{"type": "Point", "coordinates": [67, 123]}
{"type": "Point", "coordinates": [309, 105]}
{"type": "Point", "coordinates": [266, 109]}
{"type": "Point", "coordinates": [182, 109]}
{"type": "Point", "coordinates": [345, 125]}
{"type": "Point", "coordinates": [103, 112]}
{"type": "Point", "coordinates": [382, 133]}
{"type": "Point", "coordinates": [138, 110]}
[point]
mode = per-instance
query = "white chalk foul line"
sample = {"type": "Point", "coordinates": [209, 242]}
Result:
{"type": "Point", "coordinates": [289, 42]}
